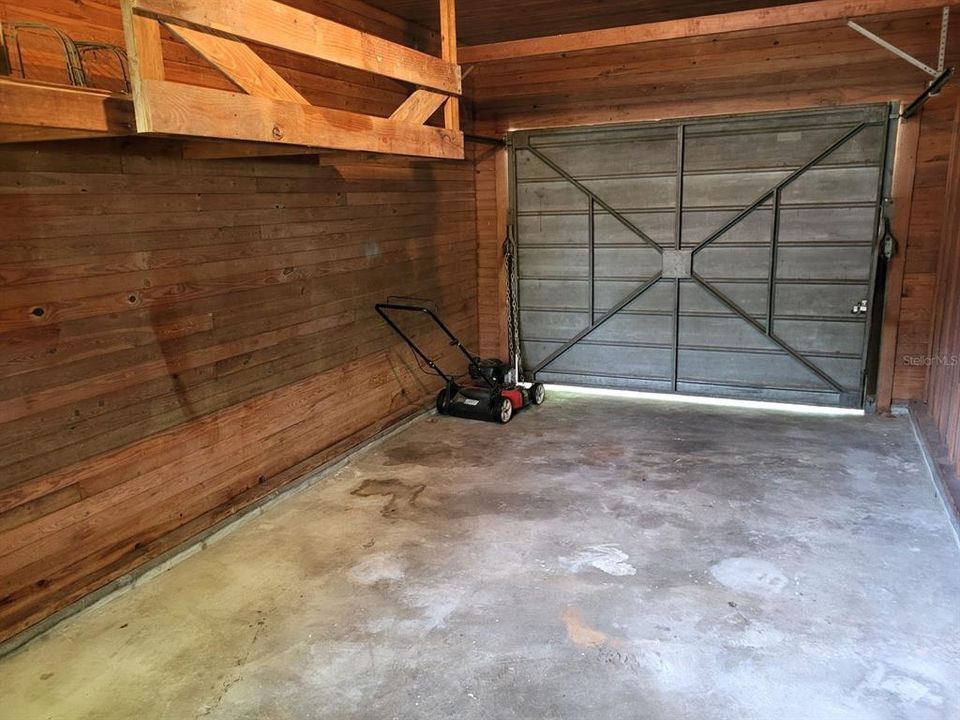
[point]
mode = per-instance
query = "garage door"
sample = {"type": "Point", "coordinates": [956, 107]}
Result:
{"type": "Point", "coordinates": [731, 258]}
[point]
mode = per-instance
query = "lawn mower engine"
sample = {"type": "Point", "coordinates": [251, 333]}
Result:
{"type": "Point", "coordinates": [497, 401]}
{"type": "Point", "coordinates": [494, 393]}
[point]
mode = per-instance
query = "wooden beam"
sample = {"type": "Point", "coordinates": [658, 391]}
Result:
{"type": "Point", "coordinates": [904, 174]}
{"type": "Point", "coordinates": [422, 104]}
{"type": "Point", "coordinates": [803, 13]}
{"type": "Point", "coordinates": [284, 27]}
{"type": "Point", "coordinates": [31, 133]}
{"type": "Point", "coordinates": [177, 109]}
{"type": "Point", "coordinates": [419, 107]}
{"type": "Point", "coordinates": [237, 149]}
{"type": "Point", "coordinates": [47, 106]}
{"type": "Point", "coordinates": [239, 64]}
{"type": "Point", "coordinates": [448, 49]}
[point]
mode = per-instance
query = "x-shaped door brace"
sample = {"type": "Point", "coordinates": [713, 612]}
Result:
{"type": "Point", "coordinates": [773, 193]}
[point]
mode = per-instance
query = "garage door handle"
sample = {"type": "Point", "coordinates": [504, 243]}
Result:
{"type": "Point", "coordinates": [860, 308]}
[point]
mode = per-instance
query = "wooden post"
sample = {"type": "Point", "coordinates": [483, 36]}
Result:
{"type": "Point", "coordinates": [145, 58]}
{"type": "Point", "coordinates": [448, 43]}
{"type": "Point", "coordinates": [904, 171]}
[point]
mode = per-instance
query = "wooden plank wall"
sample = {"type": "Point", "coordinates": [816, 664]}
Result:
{"type": "Point", "coordinates": [179, 338]}
{"type": "Point", "coordinates": [927, 215]}
{"type": "Point", "coordinates": [745, 73]}
{"type": "Point", "coordinates": [492, 201]}
{"type": "Point", "coordinates": [944, 384]}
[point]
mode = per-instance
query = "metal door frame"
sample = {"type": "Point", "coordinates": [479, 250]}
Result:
{"type": "Point", "coordinates": [520, 141]}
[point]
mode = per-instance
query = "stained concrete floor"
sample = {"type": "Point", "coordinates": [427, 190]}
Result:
{"type": "Point", "coordinates": [599, 558]}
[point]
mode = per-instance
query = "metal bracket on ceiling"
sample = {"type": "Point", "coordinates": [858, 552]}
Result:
{"type": "Point", "coordinates": [941, 75]}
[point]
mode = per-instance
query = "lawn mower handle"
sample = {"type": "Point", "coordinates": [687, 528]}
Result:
{"type": "Point", "coordinates": [382, 309]}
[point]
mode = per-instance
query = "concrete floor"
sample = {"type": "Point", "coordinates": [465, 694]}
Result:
{"type": "Point", "coordinates": [599, 558]}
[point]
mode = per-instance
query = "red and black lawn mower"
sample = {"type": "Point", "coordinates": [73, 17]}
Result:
{"type": "Point", "coordinates": [494, 394]}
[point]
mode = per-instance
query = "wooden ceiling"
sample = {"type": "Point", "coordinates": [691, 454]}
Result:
{"type": "Point", "coordinates": [486, 21]}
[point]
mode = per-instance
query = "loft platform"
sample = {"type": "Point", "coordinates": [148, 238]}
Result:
{"type": "Point", "coordinates": [268, 109]}
{"type": "Point", "coordinates": [32, 111]}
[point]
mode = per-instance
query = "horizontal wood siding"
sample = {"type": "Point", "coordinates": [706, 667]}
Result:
{"type": "Point", "coordinates": [498, 20]}
{"type": "Point", "coordinates": [747, 73]}
{"type": "Point", "coordinates": [179, 338]}
{"type": "Point", "coordinates": [491, 199]}
{"type": "Point", "coordinates": [944, 384]}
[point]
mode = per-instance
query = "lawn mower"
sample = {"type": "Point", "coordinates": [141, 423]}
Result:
{"type": "Point", "coordinates": [494, 393]}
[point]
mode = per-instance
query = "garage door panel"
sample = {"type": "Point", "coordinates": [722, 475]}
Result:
{"type": "Point", "coordinates": [734, 190]}
{"type": "Point", "coordinates": [827, 225]}
{"type": "Point", "coordinates": [699, 331]}
{"type": "Point", "coordinates": [530, 167]}
{"type": "Point", "coordinates": [575, 295]}
{"type": "Point", "coordinates": [821, 300]}
{"type": "Point", "coordinates": [797, 226]}
{"type": "Point", "coordinates": [619, 193]}
{"type": "Point", "coordinates": [846, 371]}
{"type": "Point", "coordinates": [812, 263]}
{"type": "Point", "coordinates": [636, 329]}
{"type": "Point", "coordinates": [630, 327]}
{"type": "Point", "coordinates": [601, 380]}
{"type": "Point", "coordinates": [659, 298]}
{"type": "Point", "coordinates": [554, 294]}
{"type": "Point", "coordinates": [787, 147]}
{"type": "Point", "coordinates": [750, 296]}
{"type": "Point", "coordinates": [595, 136]}
{"type": "Point", "coordinates": [555, 262]}
{"type": "Point", "coordinates": [755, 229]}
{"type": "Point", "coordinates": [747, 367]}
{"type": "Point", "coordinates": [568, 229]}
{"type": "Point", "coordinates": [827, 398]}
{"type": "Point", "coordinates": [558, 196]}
{"type": "Point", "coordinates": [711, 332]}
{"type": "Point", "coordinates": [625, 262]}
{"type": "Point", "coordinates": [636, 193]}
{"type": "Point", "coordinates": [818, 185]}
{"type": "Point", "coordinates": [658, 226]}
{"type": "Point", "coordinates": [739, 263]}
{"type": "Point", "coordinates": [843, 118]}
{"type": "Point", "coordinates": [825, 185]}
{"type": "Point", "coordinates": [625, 157]}
{"type": "Point", "coordinates": [652, 363]}
{"type": "Point", "coordinates": [809, 337]}
{"type": "Point", "coordinates": [815, 337]}
{"type": "Point", "coordinates": [554, 325]}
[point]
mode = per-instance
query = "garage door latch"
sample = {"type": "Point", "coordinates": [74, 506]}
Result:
{"type": "Point", "coordinates": [888, 242]}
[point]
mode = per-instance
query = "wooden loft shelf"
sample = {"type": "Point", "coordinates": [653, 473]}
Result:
{"type": "Point", "coordinates": [269, 110]}
{"type": "Point", "coordinates": [266, 110]}
{"type": "Point", "coordinates": [35, 111]}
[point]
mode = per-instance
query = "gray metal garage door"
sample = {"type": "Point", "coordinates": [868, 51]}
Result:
{"type": "Point", "coordinates": [731, 258]}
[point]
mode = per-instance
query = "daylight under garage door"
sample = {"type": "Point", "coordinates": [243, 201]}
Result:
{"type": "Point", "coordinates": [731, 258]}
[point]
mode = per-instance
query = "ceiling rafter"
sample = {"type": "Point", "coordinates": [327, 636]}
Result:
{"type": "Point", "coordinates": [771, 17]}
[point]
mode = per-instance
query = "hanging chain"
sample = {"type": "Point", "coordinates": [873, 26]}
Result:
{"type": "Point", "coordinates": [513, 318]}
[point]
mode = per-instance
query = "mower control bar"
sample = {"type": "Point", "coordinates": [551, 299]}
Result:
{"type": "Point", "coordinates": [382, 309]}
